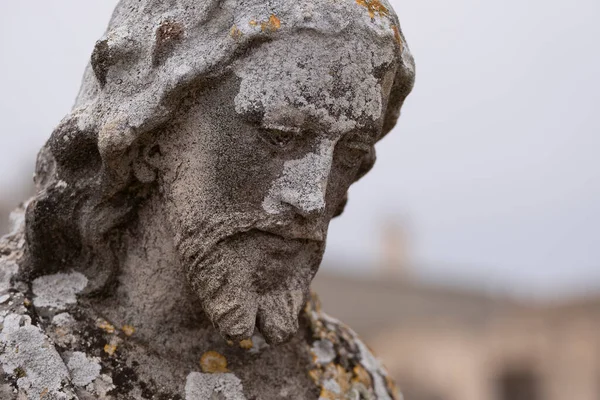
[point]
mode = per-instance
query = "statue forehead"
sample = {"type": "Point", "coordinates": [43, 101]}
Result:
{"type": "Point", "coordinates": [335, 80]}
{"type": "Point", "coordinates": [155, 51]}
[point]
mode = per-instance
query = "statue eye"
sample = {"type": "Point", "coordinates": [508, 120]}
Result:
{"type": "Point", "coordinates": [354, 151]}
{"type": "Point", "coordinates": [276, 137]}
{"type": "Point", "coordinates": [354, 156]}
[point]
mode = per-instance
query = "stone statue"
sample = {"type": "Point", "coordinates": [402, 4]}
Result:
{"type": "Point", "coordinates": [183, 206]}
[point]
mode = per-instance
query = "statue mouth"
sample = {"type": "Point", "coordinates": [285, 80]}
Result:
{"type": "Point", "coordinates": [288, 242]}
{"type": "Point", "coordinates": [291, 232]}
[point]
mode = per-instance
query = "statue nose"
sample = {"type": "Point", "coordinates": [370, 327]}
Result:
{"type": "Point", "coordinates": [308, 198]}
{"type": "Point", "coordinates": [303, 184]}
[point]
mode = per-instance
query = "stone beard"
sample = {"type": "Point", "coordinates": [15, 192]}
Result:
{"type": "Point", "coordinates": [253, 171]}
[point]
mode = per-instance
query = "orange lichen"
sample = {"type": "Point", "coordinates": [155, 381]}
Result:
{"type": "Point", "coordinates": [343, 379]}
{"type": "Point", "coordinates": [397, 36]}
{"type": "Point", "coordinates": [314, 357]}
{"type": "Point", "coordinates": [350, 379]}
{"type": "Point", "coordinates": [270, 25]}
{"type": "Point", "coordinates": [105, 326]}
{"type": "Point", "coordinates": [374, 7]}
{"type": "Point", "coordinates": [315, 375]}
{"type": "Point", "coordinates": [235, 33]}
{"type": "Point", "coordinates": [44, 393]}
{"type": "Point", "coordinates": [128, 330]}
{"type": "Point", "coordinates": [362, 376]}
{"type": "Point", "coordinates": [328, 395]}
{"type": "Point", "coordinates": [274, 23]}
{"type": "Point", "coordinates": [246, 344]}
{"type": "Point", "coordinates": [340, 376]}
{"type": "Point", "coordinates": [212, 362]}
{"type": "Point", "coordinates": [110, 349]}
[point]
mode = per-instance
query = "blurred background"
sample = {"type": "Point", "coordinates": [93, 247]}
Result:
{"type": "Point", "coordinates": [469, 258]}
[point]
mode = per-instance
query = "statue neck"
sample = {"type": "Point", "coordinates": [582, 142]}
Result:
{"type": "Point", "coordinates": [152, 293]}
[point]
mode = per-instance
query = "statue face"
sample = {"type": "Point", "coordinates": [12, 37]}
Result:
{"type": "Point", "coordinates": [253, 168]}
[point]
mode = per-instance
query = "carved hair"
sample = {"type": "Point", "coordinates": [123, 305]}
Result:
{"type": "Point", "coordinates": [153, 53]}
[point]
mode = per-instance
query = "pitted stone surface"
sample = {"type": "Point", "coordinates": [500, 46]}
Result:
{"type": "Point", "coordinates": [323, 351]}
{"type": "Point", "coordinates": [183, 205]}
{"type": "Point", "coordinates": [59, 290]}
{"type": "Point", "coordinates": [348, 90]}
{"type": "Point", "coordinates": [28, 353]}
{"type": "Point", "coordinates": [302, 183]}
{"type": "Point", "coordinates": [206, 386]}
{"type": "Point", "coordinates": [84, 370]}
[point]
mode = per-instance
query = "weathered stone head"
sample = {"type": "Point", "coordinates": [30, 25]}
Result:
{"type": "Point", "coordinates": [243, 123]}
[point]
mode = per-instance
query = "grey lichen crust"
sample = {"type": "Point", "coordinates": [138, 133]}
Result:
{"type": "Point", "coordinates": [183, 205]}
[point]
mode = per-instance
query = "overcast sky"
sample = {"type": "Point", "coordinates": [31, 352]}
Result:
{"type": "Point", "coordinates": [494, 168]}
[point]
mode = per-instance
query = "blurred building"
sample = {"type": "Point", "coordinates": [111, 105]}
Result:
{"type": "Point", "coordinates": [450, 344]}
{"type": "Point", "coordinates": [10, 198]}
{"type": "Point", "coordinates": [6, 208]}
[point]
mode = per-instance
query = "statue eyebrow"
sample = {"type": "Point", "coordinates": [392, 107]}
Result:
{"type": "Point", "coordinates": [283, 128]}
{"type": "Point", "coordinates": [367, 134]}
{"type": "Point", "coordinates": [373, 132]}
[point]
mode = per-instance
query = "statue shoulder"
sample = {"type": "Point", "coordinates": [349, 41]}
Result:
{"type": "Point", "coordinates": [344, 366]}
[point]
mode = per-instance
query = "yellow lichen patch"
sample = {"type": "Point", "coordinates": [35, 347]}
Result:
{"type": "Point", "coordinates": [128, 330]}
{"type": "Point", "coordinates": [235, 33]}
{"type": "Point", "coordinates": [392, 388]}
{"type": "Point", "coordinates": [246, 344]}
{"type": "Point", "coordinates": [212, 362]}
{"type": "Point", "coordinates": [315, 375]}
{"type": "Point", "coordinates": [328, 395]}
{"type": "Point", "coordinates": [26, 302]}
{"type": "Point", "coordinates": [110, 349]}
{"type": "Point", "coordinates": [361, 376]}
{"type": "Point", "coordinates": [343, 379]}
{"type": "Point", "coordinates": [314, 357]}
{"type": "Point", "coordinates": [333, 375]}
{"type": "Point", "coordinates": [252, 22]}
{"type": "Point", "coordinates": [374, 7]}
{"type": "Point", "coordinates": [105, 326]}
